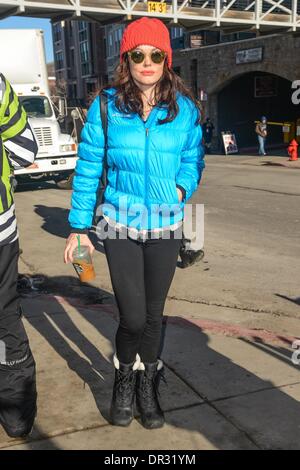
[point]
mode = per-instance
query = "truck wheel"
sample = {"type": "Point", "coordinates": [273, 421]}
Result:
{"type": "Point", "coordinates": [66, 184]}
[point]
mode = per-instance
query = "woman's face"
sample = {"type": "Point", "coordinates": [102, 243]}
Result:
{"type": "Point", "coordinates": [147, 72]}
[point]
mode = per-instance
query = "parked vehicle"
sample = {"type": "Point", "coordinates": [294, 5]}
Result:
{"type": "Point", "coordinates": [22, 61]}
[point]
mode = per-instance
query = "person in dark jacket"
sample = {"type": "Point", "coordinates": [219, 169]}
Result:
{"type": "Point", "coordinates": [155, 162]}
{"type": "Point", "coordinates": [18, 148]}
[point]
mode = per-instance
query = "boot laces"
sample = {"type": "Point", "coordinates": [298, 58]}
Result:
{"type": "Point", "coordinates": [124, 386]}
{"type": "Point", "coordinates": [150, 386]}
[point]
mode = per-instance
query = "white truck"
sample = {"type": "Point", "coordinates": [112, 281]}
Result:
{"type": "Point", "coordinates": [22, 61]}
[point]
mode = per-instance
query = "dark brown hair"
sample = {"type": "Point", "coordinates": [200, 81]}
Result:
{"type": "Point", "coordinates": [128, 94]}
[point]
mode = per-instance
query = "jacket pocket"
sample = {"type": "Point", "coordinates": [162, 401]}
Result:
{"type": "Point", "coordinates": [176, 198]}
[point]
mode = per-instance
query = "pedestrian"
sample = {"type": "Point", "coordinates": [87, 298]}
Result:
{"type": "Point", "coordinates": [261, 131]}
{"type": "Point", "coordinates": [155, 161]}
{"type": "Point", "coordinates": [208, 129]}
{"type": "Point", "coordinates": [17, 367]}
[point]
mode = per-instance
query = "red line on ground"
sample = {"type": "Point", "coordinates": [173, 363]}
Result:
{"type": "Point", "coordinates": [236, 331]}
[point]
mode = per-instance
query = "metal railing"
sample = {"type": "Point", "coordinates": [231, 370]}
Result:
{"type": "Point", "coordinates": [212, 14]}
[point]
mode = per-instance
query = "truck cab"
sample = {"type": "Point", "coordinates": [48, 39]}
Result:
{"type": "Point", "coordinates": [56, 156]}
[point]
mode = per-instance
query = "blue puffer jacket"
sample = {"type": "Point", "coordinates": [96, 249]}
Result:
{"type": "Point", "coordinates": [146, 160]}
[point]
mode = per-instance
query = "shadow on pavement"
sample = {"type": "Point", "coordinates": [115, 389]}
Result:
{"type": "Point", "coordinates": [237, 402]}
{"type": "Point", "coordinates": [93, 369]}
{"type": "Point", "coordinates": [55, 222]}
{"type": "Point", "coordinates": [278, 352]}
{"type": "Point", "coordinates": [36, 436]}
{"type": "Point", "coordinates": [295, 301]}
{"type": "Point", "coordinates": [35, 186]}
{"type": "Point", "coordinates": [265, 413]}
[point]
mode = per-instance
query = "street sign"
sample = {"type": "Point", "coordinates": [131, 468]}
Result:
{"type": "Point", "coordinates": [229, 142]}
{"type": "Point", "coordinates": [157, 7]}
{"type": "Point", "coordinates": [247, 56]}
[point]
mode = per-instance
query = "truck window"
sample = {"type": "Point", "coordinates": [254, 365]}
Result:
{"type": "Point", "coordinates": [36, 106]}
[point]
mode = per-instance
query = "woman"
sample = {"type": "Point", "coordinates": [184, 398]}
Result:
{"type": "Point", "coordinates": [155, 161]}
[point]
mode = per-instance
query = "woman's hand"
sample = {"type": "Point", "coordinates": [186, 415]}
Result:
{"type": "Point", "coordinates": [179, 194]}
{"type": "Point", "coordinates": [72, 243]}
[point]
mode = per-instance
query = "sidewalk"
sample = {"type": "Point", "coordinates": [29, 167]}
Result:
{"type": "Point", "coordinates": [280, 161]}
{"type": "Point", "coordinates": [228, 387]}
{"type": "Point", "coordinates": [272, 160]}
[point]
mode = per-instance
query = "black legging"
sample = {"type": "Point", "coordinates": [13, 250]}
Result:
{"type": "Point", "coordinates": [141, 274]}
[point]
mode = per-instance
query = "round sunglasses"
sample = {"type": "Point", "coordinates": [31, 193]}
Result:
{"type": "Point", "coordinates": [138, 57]}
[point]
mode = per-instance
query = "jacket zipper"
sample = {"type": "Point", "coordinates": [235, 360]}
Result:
{"type": "Point", "coordinates": [150, 119]}
{"type": "Point", "coordinates": [146, 166]}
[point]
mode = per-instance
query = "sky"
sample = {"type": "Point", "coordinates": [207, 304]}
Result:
{"type": "Point", "coordinates": [17, 22]}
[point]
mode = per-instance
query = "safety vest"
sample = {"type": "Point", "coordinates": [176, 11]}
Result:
{"type": "Point", "coordinates": [12, 122]}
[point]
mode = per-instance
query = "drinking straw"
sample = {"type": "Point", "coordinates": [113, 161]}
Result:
{"type": "Point", "coordinates": [78, 239]}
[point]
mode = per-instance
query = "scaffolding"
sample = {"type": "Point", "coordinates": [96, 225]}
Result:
{"type": "Point", "coordinates": [230, 15]}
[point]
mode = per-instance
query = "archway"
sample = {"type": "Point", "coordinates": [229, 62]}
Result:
{"type": "Point", "coordinates": [250, 96]}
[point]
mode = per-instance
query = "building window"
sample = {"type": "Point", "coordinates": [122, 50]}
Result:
{"type": "Point", "coordinates": [82, 25]}
{"type": "Point", "coordinates": [72, 90]}
{"type": "Point", "coordinates": [110, 44]}
{"type": "Point", "coordinates": [84, 56]}
{"type": "Point", "coordinates": [84, 52]}
{"type": "Point", "coordinates": [90, 88]}
{"type": "Point", "coordinates": [194, 76]}
{"type": "Point", "coordinates": [117, 42]}
{"type": "Point", "coordinates": [85, 69]}
{"type": "Point", "coordinates": [59, 60]}
{"type": "Point", "coordinates": [57, 32]}
{"type": "Point", "coordinates": [84, 48]}
{"type": "Point", "coordinates": [176, 33]}
{"type": "Point", "coordinates": [83, 35]}
{"type": "Point", "coordinates": [105, 46]}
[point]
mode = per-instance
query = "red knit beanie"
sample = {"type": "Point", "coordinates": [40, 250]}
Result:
{"type": "Point", "coordinates": [147, 31]}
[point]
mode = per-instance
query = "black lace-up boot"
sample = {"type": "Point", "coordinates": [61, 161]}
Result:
{"type": "Point", "coordinates": [148, 379]}
{"type": "Point", "coordinates": [190, 257]}
{"type": "Point", "coordinates": [121, 411]}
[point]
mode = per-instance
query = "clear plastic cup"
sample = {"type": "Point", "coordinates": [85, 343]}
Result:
{"type": "Point", "coordinates": [83, 264]}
